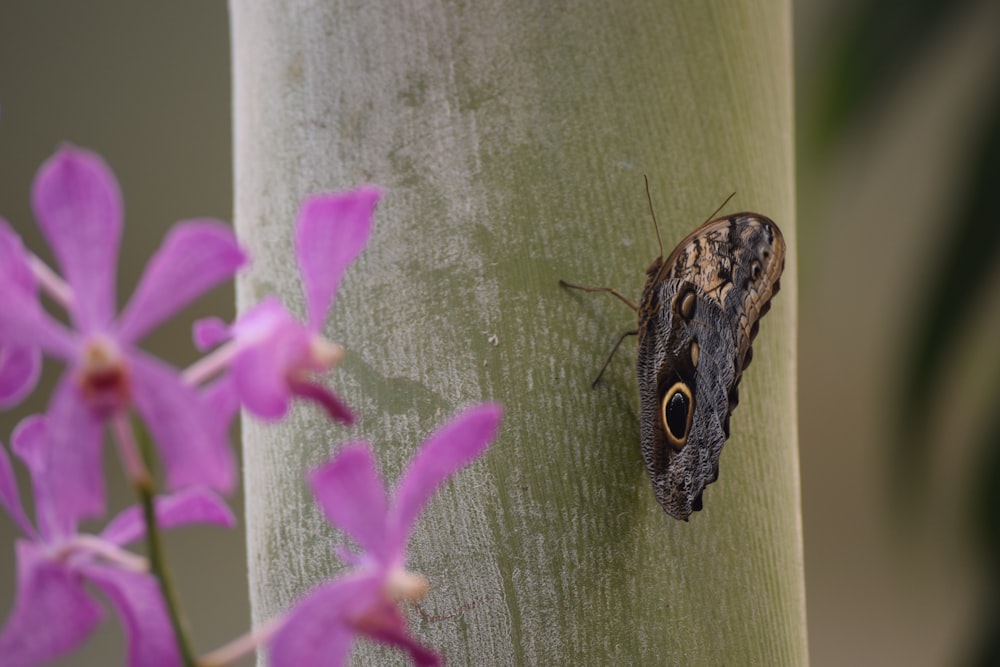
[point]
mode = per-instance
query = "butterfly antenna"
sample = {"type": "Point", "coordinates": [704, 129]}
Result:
{"type": "Point", "coordinates": [655, 225]}
{"type": "Point", "coordinates": [716, 211]}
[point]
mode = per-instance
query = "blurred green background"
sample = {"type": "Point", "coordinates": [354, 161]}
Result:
{"type": "Point", "coordinates": [898, 112]}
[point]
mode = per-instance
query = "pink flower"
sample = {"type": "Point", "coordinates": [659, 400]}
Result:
{"type": "Point", "coordinates": [20, 365]}
{"type": "Point", "coordinates": [79, 209]}
{"type": "Point", "coordinates": [54, 611]}
{"type": "Point", "coordinates": [320, 629]}
{"type": "Point", "coordinates": [275, 357]}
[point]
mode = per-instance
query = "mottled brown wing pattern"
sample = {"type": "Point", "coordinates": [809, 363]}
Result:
{"type": "Point", "coordinates": [698, 317]}
{"type": "Point", "coordinates": [737, 261]}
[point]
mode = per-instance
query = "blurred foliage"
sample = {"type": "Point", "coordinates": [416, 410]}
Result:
{"type": "Point", "coordinates": [883, 42]}
{"type": "Point", "coordinates": [985, 511]}
{"type": "Point", "coordinates": [953, 291]}
{"type": "Point", "coordinates": [875, 48]}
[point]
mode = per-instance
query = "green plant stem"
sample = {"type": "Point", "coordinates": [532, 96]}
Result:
{"type": "Point", "coordinates": [158, 566]}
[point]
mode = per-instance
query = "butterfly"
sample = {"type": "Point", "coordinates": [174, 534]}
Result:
{"type": "Point", "coordinates": [698, 316]}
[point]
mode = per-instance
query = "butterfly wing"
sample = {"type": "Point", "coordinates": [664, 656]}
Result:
{"type": "Point", "coordinates": [699, 314]}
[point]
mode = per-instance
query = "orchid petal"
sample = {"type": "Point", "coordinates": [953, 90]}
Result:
{"type": "Point", "coordinates": [78, 205]}
{"type": "Point", "coordinates": [350, 492]}
{"type": "Point", "coordinates": [221, 403]}
{"type": "Point", "coordinates": [209, 332]}
{"type": "Point", "coordinates": [260, 369]}
{"type": "Point", "coordinates": [272, 344]}
{"type": "Point", "coordinates": [30, 442]}
{"type": "Point", "coordinates": [73, 467]}
{"type": "Point", "coordinates": [52, 614]}
{"type": "Point", "coordinates": [20, 367]}
{"type": "Point", "coordinates": [10, 498]}
{"type": "Point", "coordinates": [260, 379]}
{"type": "Point", "coordinates": [193, 452]}
{"type": "Point", "coordinates": [24, 323]}
{"type": "Point", "coordinates": [451, 447]}
{"type": "Point", "coordinates": [137, 598]}
{"type": "Point", "coordinates": [190, 506]}
{"type": "Point", "coordinates": [316, 630]}
{"type": "Point", "coordinates": [330, 232]}
{"type": "Point", "coordinates": [349, 557]}
{"type": "Point", "coordinates": [335, 408]}
{"type": "Point", "coordinates": [14, 260]}
{"type": "Point", "coordinates": [391, 630]}
{"type": "Point", "coordinates": [195, 256]}
{"type": "Point", "coordinates": [255, 325]}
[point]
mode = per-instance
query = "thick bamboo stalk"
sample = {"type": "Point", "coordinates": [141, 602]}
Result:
{"type": "Point", "coordinates": [512, 139]}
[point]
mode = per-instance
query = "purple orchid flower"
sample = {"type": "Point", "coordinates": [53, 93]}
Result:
{"type": "Point", "coordinates": [20, 365]}
{"type": "Point", "coordinates": [274, 356]}
{"type": "Point", "coordinates": [78, 206]}
{"type": "Point", "coordinates": [54, 612]}
{"type": "Point", "coordinates": [320, 629]}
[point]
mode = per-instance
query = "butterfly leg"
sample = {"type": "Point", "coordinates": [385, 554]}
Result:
{"type": "Point", "coordinates": [609, 290]}
{"type": "Point", "coordinates": [625, 335]}
{"type": "Point", "coordinates": [628, 302]}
